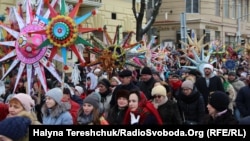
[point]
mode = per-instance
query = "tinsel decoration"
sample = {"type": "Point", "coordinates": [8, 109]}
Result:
{"type": "Point", "coordinates": [75, 75]}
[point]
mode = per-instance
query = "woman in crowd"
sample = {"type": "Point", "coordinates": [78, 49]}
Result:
{"type": "Point", "coordinates": [117, 113]}
{"type": "Point", "coordinates": [218, 110]}
{"type": "Point", "coordinates": [54, 110]}
{"type": "Point", "coordinates": [89, 113]}
{"type": "Point", "coordinates": [106, 94]}
{"type": "Point", "coordinates": [141, 111]}
{"type": "Point", "coordinates": [190, 103]}
{"type": "Point", "coordinates": [22, 105]}
{"type": "Point", "coordinates": [167, 108]}
{"type": "Point", "coordinates": [114, 81]}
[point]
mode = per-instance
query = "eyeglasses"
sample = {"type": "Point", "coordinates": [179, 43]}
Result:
{"type": "Point", "coordinates": [157, 96]}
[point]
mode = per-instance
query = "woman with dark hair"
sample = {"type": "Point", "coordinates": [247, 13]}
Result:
{"type": "Point", "coordinates": [141, 111]}
{"type": "Point", "coordinates": [218, 111]}
{"type": "Point", "coordinates": [90, 113]}
{"type": "Point", "coordinates": [116, 113]}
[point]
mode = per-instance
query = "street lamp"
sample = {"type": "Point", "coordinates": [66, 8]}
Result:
{"type": "Point", "coordinates": [239, 25]}
{"type": "Point", "coordinates": [239, 28]}
{"type": "Point", "coordinates": [183, 28]}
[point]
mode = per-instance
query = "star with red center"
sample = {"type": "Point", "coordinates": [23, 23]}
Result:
{"type": "Point", "coordinates": [62, 31]}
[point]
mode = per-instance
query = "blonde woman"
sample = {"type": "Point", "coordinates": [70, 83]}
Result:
{"type": "Point", "coordinates": [22, 105]}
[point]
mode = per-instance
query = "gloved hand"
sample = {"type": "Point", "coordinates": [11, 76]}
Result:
{"type": "Point", "coordinates": [134, 119]}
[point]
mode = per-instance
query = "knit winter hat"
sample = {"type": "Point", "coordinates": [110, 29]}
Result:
{"type": "Point", "coordinates": [79, 89]}
{"type": "Point", "coordinates": [209, 67]}
{"type": "Point", "coordinates": [219, 100]}
{"type": "Point", "coordinates": [232, 73]}
{"type": "Point", "coordinates": [92, 99]}
{"type": "Point", "coordinates": [105, 82]}
{"type": "Point", "coordinates": [27, 102]}
{"type": "Point", "coordinates": [159, 90]}
{"type": "Point", "coordinates": [146, 70]}
{"type": "Point", "coordinates": [14, 127]}
{"type": "Point", "coordinates": [187, 84]}
{"type": "Point", "coordinates": [56, 94]}
{"type": "Point", "coordinates": [116, 79]}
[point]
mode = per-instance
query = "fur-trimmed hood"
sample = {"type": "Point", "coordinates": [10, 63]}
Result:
{"type": "Point", "coordinates": [31, 115]}
{"type": "Point", "coordinates": [56, 111]}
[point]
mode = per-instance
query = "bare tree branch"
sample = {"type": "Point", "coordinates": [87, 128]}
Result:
{"type": "Point", "coordinates": [153, 16]}
{"type": "Point", "coordinates": [140, 31]}
{"type": "Point", "coordinates": [134, 9]}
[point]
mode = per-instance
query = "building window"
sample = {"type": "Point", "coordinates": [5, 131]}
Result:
{"type": "Point", "coordinates": [217, 35]}
{"type": "Point", "coordinates": [245, 9]}
{"type": "Point", "coordinates": [234, 7]}
{"type": "Point", "coordinates": [192, 6]}
{"type": "Point", "coordinates": [217, 8]}
{"type": "Point", "coordinates": [229, 40]}
{"type": "Point", "coordinates": [226, 8]}
{"type": "Point", "coordinates": [113, 16]}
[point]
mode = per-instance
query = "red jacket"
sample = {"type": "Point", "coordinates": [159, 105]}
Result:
{"type": "Point", "coordinates": [4, 111]}
{"type": "Point", "coordinates": [73, 110]}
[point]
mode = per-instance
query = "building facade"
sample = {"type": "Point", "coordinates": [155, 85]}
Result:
{"type": "Point", "coordinates": [226, 20]}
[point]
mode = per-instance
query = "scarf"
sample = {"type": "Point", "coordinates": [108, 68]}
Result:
{"type": "Point", "coordinates": [175, 84]}
{"type": "Point", "coordinates": [145, 108]}
{"type": "Point", "coordinates": [104, 95]}
{"type": "Point", "coordinates": [85, 119]}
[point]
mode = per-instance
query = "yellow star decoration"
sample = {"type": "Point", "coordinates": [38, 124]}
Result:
{"type": "Point", "coordinates": [197, 45]}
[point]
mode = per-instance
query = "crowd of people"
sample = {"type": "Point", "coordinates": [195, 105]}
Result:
{"type": "Point", "coordinates": [184, 97]}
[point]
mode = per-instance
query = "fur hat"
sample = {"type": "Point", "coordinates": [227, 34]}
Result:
{"type": "Point", "coordinates": [159, 90]}
{"type": "Point", "coordinates": [105, 82]}
{"type": "Point", "coordinates": [125, 73]}
{"type": "Point", "coordinates": [187, 84]}
{"type": "Point", "coordinates": [15, 128]}
{"type": "Point", "coordinates": [27, 102]}
{"type": "Point", "coordinates": [92, 99]}
{"type": "Point", "coordinates": [56, 94]}
{"type": "Point", "coordinates": [146, 70]}
{"type": "Point", "coordinates": [208, 66]}
{"type": "Point", "coordinates": [79, 89]}
{"type": "Point", "coordinates": [122, 93]}
{"type": "Point", "coordinates": [219, 100]}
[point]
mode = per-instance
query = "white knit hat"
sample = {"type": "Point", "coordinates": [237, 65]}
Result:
{"type": "Point", "coordinates": [209, 66]}
{"type": "Point", "coordinates": [116, 79]}
{"type": "Point", "coordinates": [159, 90]}
{"type": "Point", "coordinates": [79, 89]}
